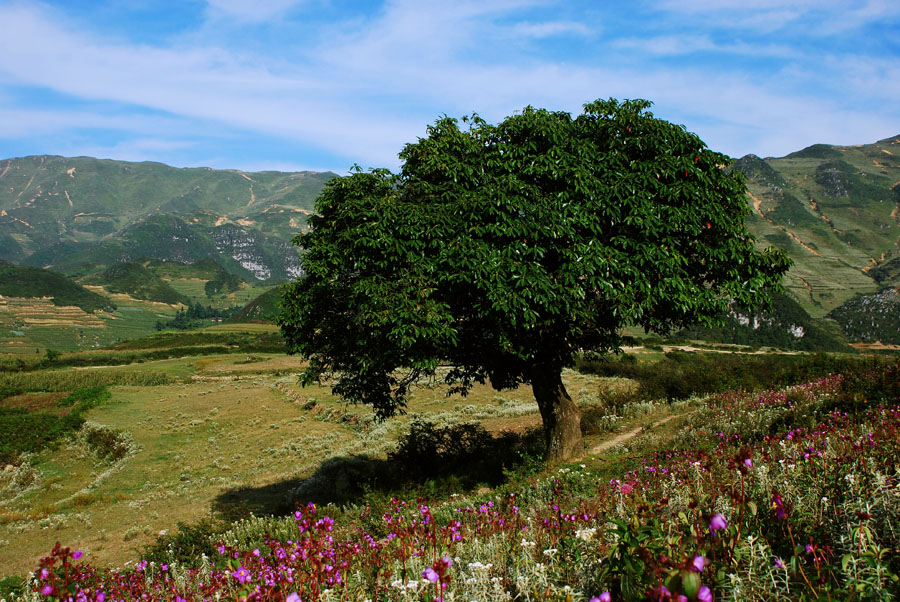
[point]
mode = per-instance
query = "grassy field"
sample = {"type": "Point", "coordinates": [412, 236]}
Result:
{"type": "Point", "coordinates": [231, 437]}
{"type": "Point", "coordinates": [232, 423]}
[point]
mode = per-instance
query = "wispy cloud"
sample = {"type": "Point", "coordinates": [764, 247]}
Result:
{"type": "Point", "coordinates": [329, 87]}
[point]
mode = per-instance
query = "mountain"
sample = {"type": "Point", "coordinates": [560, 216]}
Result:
{"type": "Point", "coordinates": [30, 282]}
{"type": "Point", "coordinates": [836, 210]}
{"type": "Point", "coordinates": [80, 214]}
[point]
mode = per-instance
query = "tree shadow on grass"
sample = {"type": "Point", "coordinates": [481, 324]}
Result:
{"type": "Point", "coordinates": [429, 460]}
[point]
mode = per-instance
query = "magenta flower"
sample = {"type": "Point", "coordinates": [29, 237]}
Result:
{"type": "Point", "coordinates": [431, 575]}
{"type": "Point", "coordinates": [293, 598]}
{"type": "Point", "coordinates": [76, 554]}
{"type": "Point", "coordinates": [748, 463]}
{"type": "Point", "coordinates": [778, 563]}
{"type": "Point", "coordinates": [47, 590]}
{"type": "Point", "coordinates": [704, 595]}
{"type": "Point", "coordinates": [101, 597]}
{"type": "Point", "coordinates": [717, 523]}
{"type": "Point", "coordinates": [698, 563]}
{"type": "Point", "coordinates": [681, 598]}
{"type": "Point", "coordinates": [241, 574]}
{"type": "Point", "coordinates": [604, 597]}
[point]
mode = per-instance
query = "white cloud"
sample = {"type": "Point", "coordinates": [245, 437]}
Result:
{"type": "Point", "coordinates": [251, 11]}
{"type": "Point", "coordinates": [550, 28]}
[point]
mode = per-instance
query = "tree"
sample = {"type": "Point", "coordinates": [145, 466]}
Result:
{"type": "Point", "coordinates": [500, 251]}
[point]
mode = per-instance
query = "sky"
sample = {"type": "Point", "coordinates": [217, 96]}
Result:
{"type": "Point", "coordinates": [327, 84]}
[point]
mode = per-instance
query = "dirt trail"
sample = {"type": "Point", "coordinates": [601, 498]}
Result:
{"type": "Point", "coordinates": [621, 438]}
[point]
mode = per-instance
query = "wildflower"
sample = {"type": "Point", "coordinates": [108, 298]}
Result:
{"type": "Point", "coordinates": [717, 523]}
{"type": "Point", "coordinates": [748, 463]}
{"type": "Point", "coordinates": [76, 555]}
{"type": "Point", "coordinates": [626, 488]}
{"type": "Point", "coordinates": [256, 552]}
{"type": "Point", "coordinates": [101, 597]}
{"type": "Point", "coordinates": [431, 575]}
{"type": "Point", "coordinates": [164, 567]}
{"type": "Point", "coordinates": [704, 595]}
{"type": "Point", "coordinates": [698, 563]}
{"type": "Point", "coordinates": [604, 597]}
{"type": "Point", "coordinates": [778, 563]}
{"type": "Point", "coordinates": [44, 574]}
{"type": "Point", "coordinates": [47, 590]}
{"type": "Point", "coordinates": [293, 598]}
{"type": "Point", "coordinates": [241, 574]}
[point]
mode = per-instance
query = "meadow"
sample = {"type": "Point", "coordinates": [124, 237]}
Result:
{"type": "Point", "coordinates": [209, 475]}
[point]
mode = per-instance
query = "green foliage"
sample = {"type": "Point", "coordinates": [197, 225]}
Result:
{"type": "Point", "coordinates": [871, 318]}
{"type": "Point", "coordinates": [136, 280]}
{"type": "Point", "coordinates": [681, 374]}
{"type": "Point", "coordinates": [187, 543]}
{"type": "Point", "coordinates": [23, 281]}
{"type": "Point", "coordinates": [196, 316]}
{"type": "Point", "coordinates": [68, 380]}
{"type": "Point", "coordinates": [501, 249]}
{"type": "Point", "coordinates": [786, 326]}
{"type": "Point", "coordinates": [264, 308]}
{"type": "Point", "coordinates": [28, 432]}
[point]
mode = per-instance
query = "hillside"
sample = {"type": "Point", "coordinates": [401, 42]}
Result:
{"type": "Point", "coordinates": [264, 308]}
{"type": "Point", "coordinates": [836, 210]}
{"type": "Point", "coordinates": [786, 326]}
{"type": "Point", "coordinates": [139, 282]}
{"type": "Point", "coordinates": [29, 282]}
{"type": "Point", "coordinates": [75, 214]}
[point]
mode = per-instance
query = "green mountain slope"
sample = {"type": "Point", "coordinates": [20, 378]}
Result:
{"type": "Point", "coordinates": [76, 214]}
{"type": "Point", "coordinates": [787, 326]}
{"type": "Point", "coordinates": [139, 282]}
{"type": "Point", "coordinates": [31, 282]}
{"type": "Point", "coordinates": [871, 318]}
{"type": "Point", "coordinates": [262, 309]}
{"type": "Point", "coordinates": [836, 210]}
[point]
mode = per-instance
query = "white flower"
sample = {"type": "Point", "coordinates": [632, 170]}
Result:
{"type": "Point", "coordinates": [527, 544]}
{"type": "Point", "coordinates": [586, 534]}
{"type": "Point", "coordinates": [550, 551]}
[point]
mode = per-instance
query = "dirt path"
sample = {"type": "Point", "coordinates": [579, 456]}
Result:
{"type": "Point", "coordinates": [629, 435]}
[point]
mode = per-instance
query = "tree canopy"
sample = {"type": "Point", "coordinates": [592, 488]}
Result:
{"type": "Point", "coordinates": [500, 251]}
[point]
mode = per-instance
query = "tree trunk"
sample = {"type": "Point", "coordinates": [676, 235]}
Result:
{"type": "Point", "coordinates": [562, 418]}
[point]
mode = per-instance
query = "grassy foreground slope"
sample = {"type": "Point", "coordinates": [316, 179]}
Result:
{"type": "Point", "coordinates": [206, 425]}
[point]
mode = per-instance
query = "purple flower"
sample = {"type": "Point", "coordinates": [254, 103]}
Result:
{"type": "Point", "coordinates": [47, 590]}
{"type": "Point", "coordinates": [704, 595]}
{"type": "Point", "coordinates": [698, 563]}
{"type": "Point", "coordinates": [164, 567]}
{"type": "Point", "coordinates": [44, 574]}
{"type": "Point", "coordinates": [681, 598]}
{"type": "Point", "coordinates": [748, 463]}
{"type": "Point", "coordinates": [76, 554]}
{"type": "Point", "coordinates": [448, 562]}
{"type": "Point", "coordinates": [431, 575]}
{"type": "Point", "coordinates": [778, 563]}
{"type": "Point", "coordinates": [241, 574]}
{"type": "Point", "coordinates": [293, 598]}
{"type": "Point", "coordinates": [718, 522]}
{"type": "Point", "coordinates": [101, 597]}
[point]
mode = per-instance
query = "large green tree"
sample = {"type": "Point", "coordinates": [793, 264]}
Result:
{"type": "Point", "coordinates": [500, 251]}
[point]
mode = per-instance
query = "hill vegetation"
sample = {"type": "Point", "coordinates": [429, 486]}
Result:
{"type": "Point", "coordinates": [836, 210]}
{"type": "Point", "coordinates": [31, 282]}
{"type": "Point", "coordinates": [136, 280]}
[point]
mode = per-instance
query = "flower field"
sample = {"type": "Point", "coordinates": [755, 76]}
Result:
{"type": "Point", "coordinates": [783, 494]}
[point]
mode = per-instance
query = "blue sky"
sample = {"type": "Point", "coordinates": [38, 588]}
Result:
{"type": "Point", "coordinates": [324, 84]}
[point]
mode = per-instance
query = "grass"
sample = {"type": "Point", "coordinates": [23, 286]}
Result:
{"type": "Point", "coordinates": [232, 434]}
